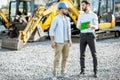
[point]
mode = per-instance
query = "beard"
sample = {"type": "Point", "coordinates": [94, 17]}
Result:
{"type": "Point", "coordinates": [84, 9]}
{"type": "Point", "coordinates": [65, 13]}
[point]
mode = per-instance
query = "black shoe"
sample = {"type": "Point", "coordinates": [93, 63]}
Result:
{"type": "Point", "coordinates": [95, 76]}
{"type": "Point", "coordinates": [95, 73]}
{"type": "Point", "coordinates": [82, 73]}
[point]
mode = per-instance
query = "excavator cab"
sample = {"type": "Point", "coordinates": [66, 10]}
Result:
{"type": "Point", "coordinates": [104, 10]}
{"type": "Point", "coordinates": [18, 8]}
{"type": "Point", "coordinates": [19, 13]}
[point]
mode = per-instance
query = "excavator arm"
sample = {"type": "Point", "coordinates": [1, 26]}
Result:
{"type": "Point", "coordinates": [32, 24]}
{"type": "Point", "coordinates": [5, 20]}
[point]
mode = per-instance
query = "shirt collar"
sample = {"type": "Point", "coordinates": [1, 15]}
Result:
{"type": "Point", "coordinates": [88, 12]}
{"type": "Point", "coordinates": [61, 16]}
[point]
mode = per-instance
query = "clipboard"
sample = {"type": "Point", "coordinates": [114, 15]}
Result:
{"type": "Point", "coordinates": [83, 25]}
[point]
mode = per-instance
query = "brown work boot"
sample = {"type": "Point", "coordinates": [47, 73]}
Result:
{"type": "Point", "coordinates": [64, 74]}
{"type": "Point", "coordinates": [54, 75]}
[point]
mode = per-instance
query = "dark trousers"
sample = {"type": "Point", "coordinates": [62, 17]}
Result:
{"type": "Point", "coordinates": [87, 39]}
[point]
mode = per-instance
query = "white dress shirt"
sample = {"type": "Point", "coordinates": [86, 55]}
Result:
{"type": "Point", "coordinates": [85, 17]}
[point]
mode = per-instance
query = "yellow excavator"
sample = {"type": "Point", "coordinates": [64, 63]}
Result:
{"type": "Point", "coordinates": [23, 24]}
{"type": "Point", "coordinates": [19, 13]}
{"type": "Point", "coordinates": [42, 17]}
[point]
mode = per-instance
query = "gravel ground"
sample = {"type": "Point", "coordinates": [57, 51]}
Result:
{"type": "Point", "coordinates": [35, 62]}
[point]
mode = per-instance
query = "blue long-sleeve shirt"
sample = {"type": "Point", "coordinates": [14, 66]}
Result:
{"type": "Point", "coordinates": [60, 28]}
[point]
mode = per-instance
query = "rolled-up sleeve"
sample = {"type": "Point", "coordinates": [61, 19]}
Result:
{"type": "Point", "coordinates": [69, 27]}
{"type": "Point", "coordinates": [95, 22]}
{"type": "Point", "coordinates": [78, 22]}
{"type": "Point", "coordinates": [52, 27]}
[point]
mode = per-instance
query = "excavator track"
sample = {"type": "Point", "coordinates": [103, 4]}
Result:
{"type": "Point", "coordinates": [108, 33]}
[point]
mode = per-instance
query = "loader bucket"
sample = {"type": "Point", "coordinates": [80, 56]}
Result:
{"type": "Point", "coordinates": [12, 43]}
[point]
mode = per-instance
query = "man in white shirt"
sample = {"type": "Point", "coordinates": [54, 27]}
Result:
{"type": "Point", "coordinates": [87, 35]}
{"type": "Point", "coordinates": [60, 34]}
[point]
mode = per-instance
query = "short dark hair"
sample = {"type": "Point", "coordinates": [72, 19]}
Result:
{"type": "Point", "coordinates": [86, 1]}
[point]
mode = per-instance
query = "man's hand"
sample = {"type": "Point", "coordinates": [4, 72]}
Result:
{"type": "Point", "coordinates": [53, 44]}
{"type": "Point", "coordinates": [90, 26]}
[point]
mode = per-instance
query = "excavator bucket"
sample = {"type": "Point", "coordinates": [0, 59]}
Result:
{"type": "Point", "coordinates": [12, 43]}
